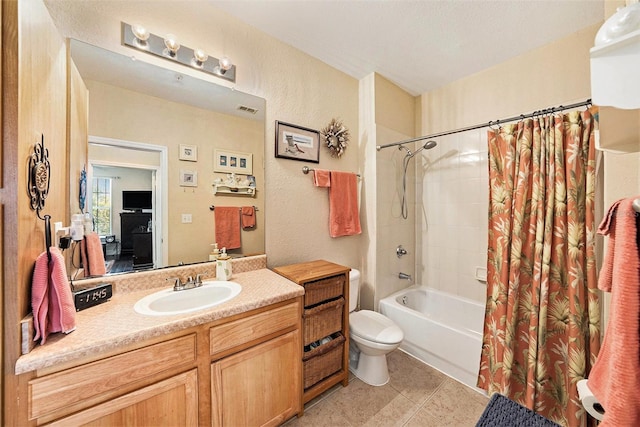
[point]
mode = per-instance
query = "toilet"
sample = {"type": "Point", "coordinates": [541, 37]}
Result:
{"type": "Point", "coordinates": [372, 336]}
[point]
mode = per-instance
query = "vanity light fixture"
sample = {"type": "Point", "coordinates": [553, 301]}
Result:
{"type": "Point", "coordinates": [139, 38]}
{"type": "Point", "coordinates": [224, 64]}
{"type": "Point", "coordinates": [199, 58]}
{"type": "Point", "coordinates": [141, 35]}
{"type": "Point", "coordinates": [171, 42]}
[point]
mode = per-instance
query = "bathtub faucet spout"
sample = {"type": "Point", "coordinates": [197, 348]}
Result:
{"type": "Point", "coordinates": [404, 276]}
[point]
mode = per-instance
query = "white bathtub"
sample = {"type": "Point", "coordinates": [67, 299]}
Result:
{"type": "Point", "coordinates": [442, 330]}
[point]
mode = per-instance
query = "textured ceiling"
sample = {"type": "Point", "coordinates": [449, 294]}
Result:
{"type": "Point", "coordinates": [419, 45]}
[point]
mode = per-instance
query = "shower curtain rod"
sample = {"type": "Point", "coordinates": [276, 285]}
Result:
{"type": "Point", "coordinates": [490, 123]}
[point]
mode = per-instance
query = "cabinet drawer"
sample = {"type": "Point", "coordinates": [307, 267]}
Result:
{"type": "Point", "coordinates": [323, 361]}
{"type": "Point", "coordinates": [322, 320]}
{"type": "Point", "coordinates": [323, 289]}
{"type": "Point", "coordinates": [238, 332]}
{"type": "Point", "coordinates": [56, 391]}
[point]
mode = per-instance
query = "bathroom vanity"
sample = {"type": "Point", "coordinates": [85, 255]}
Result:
{"type": "Point", "coordinates": [325, 347]}
{"type": "Point", "coordinates": [233, 364]}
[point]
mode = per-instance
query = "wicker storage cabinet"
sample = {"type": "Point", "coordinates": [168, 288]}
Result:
{"type": "Point", "coordinates": [325, 324]}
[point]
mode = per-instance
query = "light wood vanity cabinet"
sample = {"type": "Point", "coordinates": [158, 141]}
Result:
{"type": "Point", "coordinates": [325, 314]}
{"type": "Point", "coordinates": [171, 402]}
{"type": "Point", "coordinates": [260, 385]}
{"type": "Point", "coordinates": [240, 370]}
{"type": "Point", "coordinates": [257, 387]}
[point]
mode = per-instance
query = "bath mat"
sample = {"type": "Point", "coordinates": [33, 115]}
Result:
{"type": "Point", "coordinates": [504, 412]}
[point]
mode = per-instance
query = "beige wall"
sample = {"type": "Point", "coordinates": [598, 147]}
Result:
{"type": "Point", "coordinates": [298, 89]}
{"type": "Point", "coordinates": [131, 116]}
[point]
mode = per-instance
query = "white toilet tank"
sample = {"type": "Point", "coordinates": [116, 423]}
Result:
{"type": "Point", "coordinates": [354, 288]}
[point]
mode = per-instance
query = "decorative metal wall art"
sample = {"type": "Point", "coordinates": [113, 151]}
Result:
{"type": "Point", "coordinates": [39, 176]}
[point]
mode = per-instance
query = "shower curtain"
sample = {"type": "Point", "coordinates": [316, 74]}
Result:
{"type": "Point", "coordinates": [542, 320]}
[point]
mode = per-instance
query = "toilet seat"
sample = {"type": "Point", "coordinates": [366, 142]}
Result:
{"type": "Point", "coordinates": [374, 327]}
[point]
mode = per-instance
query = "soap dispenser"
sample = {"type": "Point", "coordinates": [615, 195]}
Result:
{"type": "Point", "coordinates": [223, 266]}
{"type": "Point", "coordinates": [213, 256]}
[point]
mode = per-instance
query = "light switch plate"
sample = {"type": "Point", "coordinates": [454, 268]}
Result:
{"type": "Point", "coordinates": [186, 218]}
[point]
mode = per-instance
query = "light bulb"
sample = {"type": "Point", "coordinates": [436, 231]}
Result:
{"type": "Point", "coordinates": [199, 56]}
{"type": "Point", "coordinates": [171, 42]}
{"type": "Point", "coordinates": [140, 32]}
{"type": "Point", "coordinates": [225, 64]}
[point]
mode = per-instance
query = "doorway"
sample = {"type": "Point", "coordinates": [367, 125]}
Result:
{"type": "Point", "coordinates": [148, 160]}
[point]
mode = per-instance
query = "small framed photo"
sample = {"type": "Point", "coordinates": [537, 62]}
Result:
{"type": "Point", "coordinates": [188, 178]}
{"type": "Point", "coordinates": [232, 162]}
{"type": "Point", "coordinates": [297, 143]}
{"type": "Point", "coordinates": [189, 153]}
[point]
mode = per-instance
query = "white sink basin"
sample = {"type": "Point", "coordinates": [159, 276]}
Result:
{"type": "Point", "coordinates": [168, 301]}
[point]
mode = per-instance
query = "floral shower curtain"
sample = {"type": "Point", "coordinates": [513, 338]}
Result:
{"type": "Point", "coordinates": [542, 320]}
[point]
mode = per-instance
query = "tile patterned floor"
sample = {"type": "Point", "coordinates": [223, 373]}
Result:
{"type": "Point", "coordinates": [416, 396]}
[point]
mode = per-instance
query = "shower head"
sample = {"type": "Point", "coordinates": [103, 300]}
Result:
{"type": "Point", "coordinates": [429, 145]}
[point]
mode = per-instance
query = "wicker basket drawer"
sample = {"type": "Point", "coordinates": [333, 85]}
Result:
{"type": "Point", "coordinates": [323, 289]}
{"type": "Point", "coordinates": [323, 361]}
{"type": "Point", "coordinates": [322, 320]}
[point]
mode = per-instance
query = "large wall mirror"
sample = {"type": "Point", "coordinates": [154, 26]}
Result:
{"type": "Point", "coordinates": [155, 137]}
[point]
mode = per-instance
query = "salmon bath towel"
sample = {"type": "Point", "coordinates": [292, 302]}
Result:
{"type": "Point", "coordinates": [615, 377]}
{"type": "Point", "coordinates": [228, 227]}
{"type": "Point", "coordinates": [51, 297]}
{"type": "Point", "coordinates": [344, 218]}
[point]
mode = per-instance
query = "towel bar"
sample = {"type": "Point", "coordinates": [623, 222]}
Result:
{"type": "Point", "coordinates": [307, 169]}
{"type": "Point", "coordinates": [212, 207]}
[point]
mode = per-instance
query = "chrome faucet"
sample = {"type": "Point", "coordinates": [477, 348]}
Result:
{"type": "Point", "coordinates": [400, 251]}
{"type": "Point", "coordinates": [189, 284]}
{"type": "Point", "coordinates": [404, 276]}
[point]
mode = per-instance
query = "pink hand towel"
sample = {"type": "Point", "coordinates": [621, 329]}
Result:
{"type": "Point", "coordinates": [321, 178]}
{"type": "Point", "coordinates": [227, 227]}
{"type": "Point", "coordinates": [62, 310]}
{"type": "Point", "coordinates": [615, 377]}
{"type": "Point", "coordinates": [344, 218]}
{"type": "Point", "coordinates": [40, 296]}
{"type": "Point", "coordinates": [92, 255]}
{"type": "Point", "coordinates": [51, 297]}
{"type": "Point", "coordinates": [248, 217]}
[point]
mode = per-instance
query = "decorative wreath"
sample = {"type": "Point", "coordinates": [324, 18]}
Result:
{"type": "Point", "coordinates": [336, 137]}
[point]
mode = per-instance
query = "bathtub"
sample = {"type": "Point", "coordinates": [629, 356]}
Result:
{"type": "Point", "coordinates": [442, 330]}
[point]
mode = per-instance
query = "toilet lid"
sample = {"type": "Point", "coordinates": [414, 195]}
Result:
{"type": "Point", "coordinates": [375, 327]}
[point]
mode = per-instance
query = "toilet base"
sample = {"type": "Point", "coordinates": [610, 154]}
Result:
{"type": "Point", "coordinates": [371, 369]}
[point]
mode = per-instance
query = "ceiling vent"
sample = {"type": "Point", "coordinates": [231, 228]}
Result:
{"type": "Point", "coordinates": [247, 109]}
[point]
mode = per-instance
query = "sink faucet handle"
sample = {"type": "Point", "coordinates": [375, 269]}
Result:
{"type": "Point", "coordinates": [177, 285]}
{"type": "Point", "coordinates": [198, 279]}
{"type": "Point", "coordinates": [189, 279]}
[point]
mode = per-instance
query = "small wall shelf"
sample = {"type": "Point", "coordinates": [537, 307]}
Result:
{"type": "Point", "coordinates": [239, 190]}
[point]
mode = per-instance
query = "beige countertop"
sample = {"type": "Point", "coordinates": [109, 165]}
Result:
{"type": "Point", "coordinates": [115, 324]}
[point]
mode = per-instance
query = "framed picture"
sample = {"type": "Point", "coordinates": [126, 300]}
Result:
{"type": "Point", "coordinates": [189, 153]}
{"type": "Point", "coordinates": [233, 162]}
{"type": "Point", "coordinates": [188, 178]}
{"type": "Point", "coordinates": [297, 143]}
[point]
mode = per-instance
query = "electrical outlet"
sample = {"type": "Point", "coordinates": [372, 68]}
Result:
{"type": "Point", "coordinates": [186, 218]}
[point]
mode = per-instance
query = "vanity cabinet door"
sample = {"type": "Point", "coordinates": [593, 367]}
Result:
{"type": "Point", "coordinates": [259, 386]}
{"type": "Point", "coordinates": [171, 402]}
